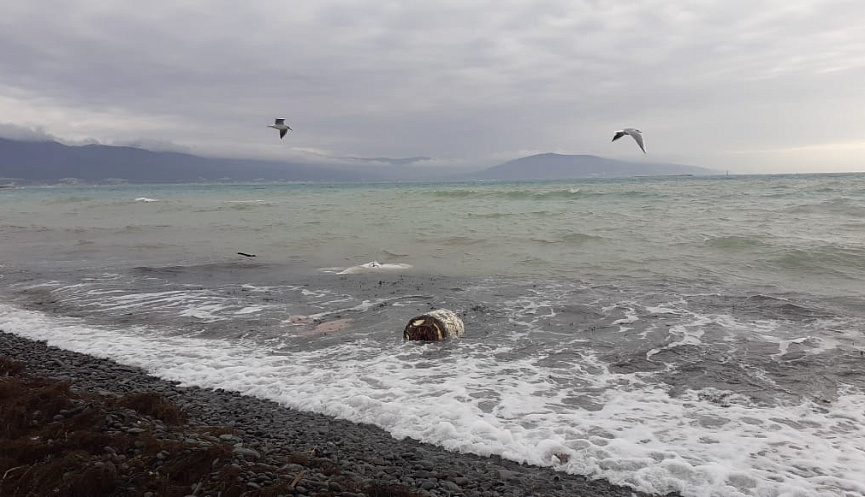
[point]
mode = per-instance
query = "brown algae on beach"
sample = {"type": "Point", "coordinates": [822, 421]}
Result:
{"type": "Point", "coordinates": [56, 440]}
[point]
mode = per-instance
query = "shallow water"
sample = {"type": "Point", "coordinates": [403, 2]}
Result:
{"type": "Point", "coordinates": [694, 334]}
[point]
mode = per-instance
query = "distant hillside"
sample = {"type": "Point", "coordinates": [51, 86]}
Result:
{"type": "Point", "coordinates": [556, 166]}
{"type": "Point", "coordinates": [50, 162]}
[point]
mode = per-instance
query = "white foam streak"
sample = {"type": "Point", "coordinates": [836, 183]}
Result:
{"type": "Point", "coordinates": [249, 310]}
{"type": "Point", "coordinates": [203, 305]}
{"type": "Point", "coordinates": [690, 335]}
{"type": "Point", "coordinates": [461, 397]}
{"type": "Point", "coordinates": [369, 267]}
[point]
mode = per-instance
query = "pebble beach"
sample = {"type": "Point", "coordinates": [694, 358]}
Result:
{"type": "Point", "coordinates": [273, 450]}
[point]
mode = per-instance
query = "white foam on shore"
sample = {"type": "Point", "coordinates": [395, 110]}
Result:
{"type": "Point", "coordinates": [466, 399]}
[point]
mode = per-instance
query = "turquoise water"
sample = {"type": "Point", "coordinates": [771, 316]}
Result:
{"type": "Point", "coordinates": [798, 232]}
{"type": "Point", "coordinates": [696, 334]}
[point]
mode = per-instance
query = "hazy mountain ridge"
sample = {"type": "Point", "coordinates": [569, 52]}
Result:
{"type": "Point", "coordinates": [556, 166]}
{"type": "Point", "coordinates": [49, 162]}
{"type": "Point", "coordinates": [52, 162]}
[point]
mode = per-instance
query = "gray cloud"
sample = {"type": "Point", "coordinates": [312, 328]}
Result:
{"type": "Point", "coordinates": [21, 133]}
{"type": "Point", "coordinates": [728, 84]}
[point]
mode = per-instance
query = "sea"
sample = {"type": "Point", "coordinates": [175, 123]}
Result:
{"type": "Point", "coordinates": [704, 335]}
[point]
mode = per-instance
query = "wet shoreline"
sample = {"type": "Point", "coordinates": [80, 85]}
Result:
{"type": "Point", "coordinates": [364, 454]}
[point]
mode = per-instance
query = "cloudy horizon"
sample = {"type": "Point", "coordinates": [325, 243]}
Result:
{"type": "Point", "coordinates": [749, 87]}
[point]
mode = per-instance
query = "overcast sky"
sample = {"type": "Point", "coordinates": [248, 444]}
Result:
{"type": "Point", "coordinates": [740, 85]}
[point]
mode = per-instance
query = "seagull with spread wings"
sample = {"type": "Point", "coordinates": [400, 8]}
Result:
{"type": "Point", "coordinates": [633, 133]}
{"type": "Point", "coordinates": [283, 128]}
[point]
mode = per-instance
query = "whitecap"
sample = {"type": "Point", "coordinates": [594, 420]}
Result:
{"type": "Point", "coordinates": [373, 266]}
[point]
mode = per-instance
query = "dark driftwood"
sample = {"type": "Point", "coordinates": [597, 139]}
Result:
{"type": "Point", "coordinates": [434, 326]}
{"type": "Point", "coordinates": [245, 254]}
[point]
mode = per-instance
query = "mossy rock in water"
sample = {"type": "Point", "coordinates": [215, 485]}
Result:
{"type": "Point", "coordinates": [434, 326]}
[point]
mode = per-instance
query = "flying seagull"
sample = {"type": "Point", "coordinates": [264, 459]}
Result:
{"type": "Point", "coordinates": [633, 133]}
{"type": "Point", "coordinates": [281, 126]}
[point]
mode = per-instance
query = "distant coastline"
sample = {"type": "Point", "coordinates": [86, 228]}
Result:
{"type": "Point", "coordinates": [51, 162]}
{"type": "Point", "coordinates": [664, 175]}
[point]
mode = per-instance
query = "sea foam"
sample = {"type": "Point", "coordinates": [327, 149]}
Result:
{"type": "Point", "coordinates": [464, 399]}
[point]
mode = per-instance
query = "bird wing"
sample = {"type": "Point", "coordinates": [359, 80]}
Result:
{"type": "Point", "coordinates": [639, 139]}
{"type": "Point", "coordinates": [282, 133]}
{"type": "Point", "coordinates": [279, 121]}
{"type": "Point", "coordinates": [618, 135]}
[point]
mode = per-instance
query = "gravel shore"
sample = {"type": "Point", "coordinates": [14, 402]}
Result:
{"type": "Point", "coordinates": [272, 450]}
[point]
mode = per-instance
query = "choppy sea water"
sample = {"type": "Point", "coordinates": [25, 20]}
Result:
{"type": "Point", "coordinates": [704, 335]}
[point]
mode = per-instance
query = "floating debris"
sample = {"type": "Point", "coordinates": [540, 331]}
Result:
{"type": "Point", "coordinates": [562, 457]}
{"type": "Point", "coordinates": [434, 326]}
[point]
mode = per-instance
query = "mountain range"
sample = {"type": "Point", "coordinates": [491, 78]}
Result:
{"type": "Point", "coordinates": [556, 166]}
{"type": "Point", "coordinates": [48, 162]}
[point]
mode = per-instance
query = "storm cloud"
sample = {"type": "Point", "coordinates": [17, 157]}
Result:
{"type": "Point", "coordinates": [770, 86]}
